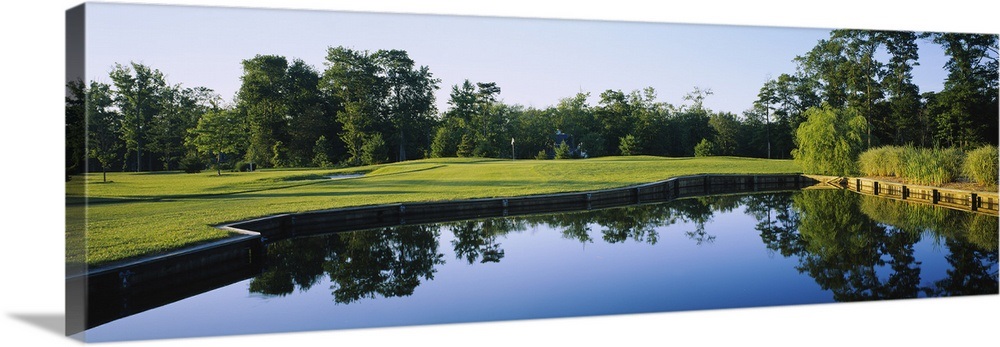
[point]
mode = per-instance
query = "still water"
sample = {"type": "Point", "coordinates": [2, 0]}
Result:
{"type": "Point", "coordinates": [805, 247]}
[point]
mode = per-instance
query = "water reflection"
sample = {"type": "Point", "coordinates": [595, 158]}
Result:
{"type": "Point", "coordinates": [856, 247]}
{"type": "Point", "coordinates": [862, 247]}
{"type": "Point", "coordinates": [386, 262]}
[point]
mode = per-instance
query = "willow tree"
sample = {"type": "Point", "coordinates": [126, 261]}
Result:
{"type": "Point", "coordinates": [830, 140]}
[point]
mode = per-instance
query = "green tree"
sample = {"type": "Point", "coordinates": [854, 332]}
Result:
{"type": "Point", "coordinates": [310, 114]}
{"type": "Point", "coordinates": [410, 100]}
{"type": "Point", "coordinates": [967, 110]}
{"type": "Point", "coordinates": [476, 114]}
{"type": "Point", "coordinates": [138, 89]}
{"type": "Point", "coordinates": [532, 129]}
{"type": "Point", "coordinates": [628, 145]}
{"type": "Point", "coordinates": [464, 147]}
{"type": "Point", "coordinates": [615, 115]}
{"type": "Point", "coordinates": [103, 126]}
{"type": "Point", "coordinates": [375, 150]}
{"type": "Point", "coordinates": [321, 153]}
{"type": "Point", "coordinates": [690, 124]}
{"type": "Point", "coordinates": [446, 141]}
{"type": "Point", "coordinates": [261, 98]}
{"type": "Point", "coordinates": [218, 133]}
{"type": "Point", "coordinates": [179, 111]}
{"type": "Point", "coordinates": [903, 95]}
{"type": "Point", "coordinates": [381, 92]}
{"type": "Point", "coordinates": [563, 151]}
{"type": "Point", "coordinates": [727, 130]}
{"type": "Point", "coordinates": [830, 140]}
{"type": "Point", "coordinates": [76, 119]}
{"type": "Point", "coordinates": [780, 106]}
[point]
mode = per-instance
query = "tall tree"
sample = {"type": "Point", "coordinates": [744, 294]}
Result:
{"type": "Point", "coordinates": [903, 95]}
{"type": "Point", "coordinates": [310, 115]}
{"type": "Point", "coordinates": [689, 125]}
{"type": "Point", "coordinates": [573, 116]}
{"type": "Point", "coordinates": [103, 126]}
{"type": "Point", "coordinates": [261, 98]}
{"type": "Point", "coordinates": [76, 119]}
{"type": "Point", "coordinates": [968, 103]}
{"type": "Point", "coordinates": [138, 89]}
{"type": "Point", "coordinates": [849, 74]}
{"type": "Point", "coordinates": [726, 129]}
{"type": "Point", "coordinates": [616, 116]}
{"type": "Point", "coordinates": [381, 92]}
{"type": "Point", "coordinates": [410, 100]}
{"type": "Point", "coordinates": [475, 119]}
{"type": "Point", "coordinates": [180, 109]}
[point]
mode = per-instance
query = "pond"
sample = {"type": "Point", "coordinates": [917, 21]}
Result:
{"type": "Point", "coordinates": [731, 251]}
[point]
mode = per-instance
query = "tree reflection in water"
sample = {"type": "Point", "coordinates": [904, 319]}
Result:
{"type": "Point", "coordinates": [858, 247]}
{"type": "Point", "coordinates": [386, 262]}
{"type": "Point", "coordinates": [862, 247]}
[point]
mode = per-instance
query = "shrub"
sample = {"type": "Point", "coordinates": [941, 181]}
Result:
{"type": "Point", "coordinates": [374, 150]}
{"type": "Point", "coordinates": [562, 151]}
{"type": "Point", "coordinates": [705, 148]}
{"type": "Point", "coordinates": [981, 165]}
{"type": "Point", "coordinates": [542, 155]}
{"type": "Point", "coordinates": [464, 147]}
{"type": "Point", "coordinates": [628, 145]}
{"type": "Point", "coordinates": [242, 166]}
{"type": "Point", "coordinates": [192, 164]}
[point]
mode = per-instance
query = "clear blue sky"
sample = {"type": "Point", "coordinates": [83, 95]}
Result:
{"type": "Point", "coordinates": [535, 62]}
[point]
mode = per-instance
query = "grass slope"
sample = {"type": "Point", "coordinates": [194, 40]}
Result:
{"type": "Point", "coordinates": [139, 214]}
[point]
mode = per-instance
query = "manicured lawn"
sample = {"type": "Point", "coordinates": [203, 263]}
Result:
{"type": "Point", "coordinates": [146, 213]}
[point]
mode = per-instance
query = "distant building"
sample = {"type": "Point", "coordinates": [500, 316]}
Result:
{"type": "Point", "coordinates": [575, 149]}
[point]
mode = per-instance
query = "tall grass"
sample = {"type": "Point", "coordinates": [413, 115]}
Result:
{"type": "Point", "coordinates": [981, 165]}
{"type": "Point", "coordinates": [933, 166]}
{"type": "Point", "coordinates": [915, 165]}
{"type": "Point", "coordinates": [887, 161]}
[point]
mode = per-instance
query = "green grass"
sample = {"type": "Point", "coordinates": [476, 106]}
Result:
{"type": "Point", "coordinates": [141, 214]}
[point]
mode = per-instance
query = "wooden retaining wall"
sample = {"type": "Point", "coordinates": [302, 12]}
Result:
{"type": "Point", "coordinates": [358, 218]}
{"type": "Point", "coordinates": [122, 290]}
{"type": "Point", "coordinates": [980, 202]}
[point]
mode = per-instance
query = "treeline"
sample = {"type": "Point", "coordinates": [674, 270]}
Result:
{"type": "Point", "coordinates": [373, 107]}
{"type": "Point", "coordinates": [869, 73]}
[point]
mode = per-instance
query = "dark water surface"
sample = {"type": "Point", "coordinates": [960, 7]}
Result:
{"type": "Point", "coordinates": [812, 246]}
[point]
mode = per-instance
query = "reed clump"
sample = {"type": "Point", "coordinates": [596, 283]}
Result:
{"type": "Point", "coordinates": [931, 166]}
{"type": "Point", "coordinates": [981, 165]}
